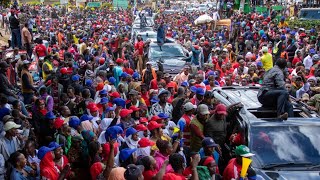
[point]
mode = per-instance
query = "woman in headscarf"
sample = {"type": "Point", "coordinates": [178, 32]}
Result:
{"type": "Point", "coordinates": [132, 139]}
{"type": "Point", "coordinates": [103, 126]}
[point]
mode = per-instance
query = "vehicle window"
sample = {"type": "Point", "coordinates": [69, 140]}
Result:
{"type": "Point", "coordinates": [285, 144]}
{"type": "Point", "coordinates": [310, 14]}
{"type": "Point", "coordinates": [167, 51]}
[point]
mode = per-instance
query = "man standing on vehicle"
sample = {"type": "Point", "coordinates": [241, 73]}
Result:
{"type": "Point", "coordinates": [273, 90]}
{"type": "Point", "coordinates": [27, 83]}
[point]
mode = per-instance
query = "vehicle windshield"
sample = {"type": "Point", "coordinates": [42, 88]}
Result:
{"type": "Point", "coordinates": [167, 51]}
{"type": "Point", "coordinates": [146, 36]}
{"type": "Point", "coordinates": [310, 14]}
{"type": "Point", "coordinates": [285, 144]}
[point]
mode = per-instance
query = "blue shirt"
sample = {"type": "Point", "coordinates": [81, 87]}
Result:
{"type": "Point", "coordinates": [10, 146]}
{"type": "Point", "coordinates": [18, 175]}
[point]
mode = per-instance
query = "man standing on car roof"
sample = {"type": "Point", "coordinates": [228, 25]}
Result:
{"type": "Point", "coordinates": [273, 90]}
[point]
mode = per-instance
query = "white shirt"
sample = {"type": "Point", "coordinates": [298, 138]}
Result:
{"type": "Point", "coordinates": [215, 16]}
{"type": "Point", "coordinates": [307, 61]}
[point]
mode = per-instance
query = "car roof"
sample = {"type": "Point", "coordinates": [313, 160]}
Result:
{"type": "Point", "coordinates": [165, 44]}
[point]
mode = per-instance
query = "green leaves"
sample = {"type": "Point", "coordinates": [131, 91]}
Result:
{"type": "Point", "coordinates": [306, 24]}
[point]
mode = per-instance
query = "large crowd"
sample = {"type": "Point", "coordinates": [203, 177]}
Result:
{"type": "Point", "coordinates": [99, 110]}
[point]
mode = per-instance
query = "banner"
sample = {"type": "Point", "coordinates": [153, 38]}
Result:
{"type": "Point", "coordinates": [120, 4]}
{"type": "Point", "coordinates": [94, 4]}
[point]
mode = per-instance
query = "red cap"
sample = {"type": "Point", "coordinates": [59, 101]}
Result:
{"type": "Point", "coordinates": [141, 127]}
{"type": "Point", "coordinates": [145, 142]}
{"type": "Point", "coordinates": [105, 39]}
{"type": "Point", "coordinates": [114, 94]}
{"type": "Point", "coordinates": [106, 149]}
{"type": "Point", "coordinates": [125, 112]}
{"type": "Point", "coordinates": [303, 35]}
{"type": "Point", "coordinates": [134, 108]}
{"type": "Point", "coordinates": [119, 61]}
{"type": "Point", "coordinates": [99, 86]}
{"type": "Point", "coordinates": [206, 43]}
{"type": "Point", "coordinates": [92, 107]}
{"type": "Point", "coordinates": [155, 118]}
{"type": "Point", "coordinates": [154, 125]}
{"type": "Point", "coordinates": [196, 47]}
{"type": "Point", "coordinates": [221, 109]}
{"type": "Point", "coordinates": [143, 120]}
{"type": "Point", "coordinates": [58, 123]}
{"type": "Point", "coordinates": [64, 70]}
{"type": "Point", "coordinates": [101, 61]}
{"type": "Point", "coordinates": [101, 42]}
{"type": "Point", "coordinates": [126, 39]}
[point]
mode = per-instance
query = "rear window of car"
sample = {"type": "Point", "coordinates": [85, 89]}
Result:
{"type": "Point", "coordinates": [310, 14]}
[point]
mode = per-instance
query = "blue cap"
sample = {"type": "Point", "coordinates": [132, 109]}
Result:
{"type": "Point", "coordinates": [212, 73]}
{"type": "Point", "coordinates": [193, 89]}
{"type": "Point", "coordinates": [288, 30]}
{"type": "Point", "coordinates": [119, 102]}
{"type": "Point", "coordinates": [74, 122]}
{"type": "Point", "coordinates": [126, 153]}
{"type": "Point", "coordinates": [112, 80]}
{"type": "Point", "coordinates": [103, 92]}
{"type": "Point", "coordinates": [53, 145]}
{"type": "Point", "coordinates": [110, 109]}
{"type": "Point", "coordinates": [312, 51]}
{"type": "Point", "coordinates": [112, 132]}
{"type": "Point", "coordinates": [124, 75]}
{"type": "Point", "coordinates": [206, 82]}
{"type": "Point", "coordinates": [50, 115]}
{"type": "Point", "coordinates": [154, 99]}
{"type": "Point", "coordinates": [75, 77]}
{"type": "Point", "coordinates": [163, 116]}
{"type": "Point", "coordinates": [259, 64]}
{"type": "Point", "coordinates": [283, 37]}
{"type": "Point", "coordinates": [135, 75]}
{"type": "Point", "coordinates": [293, 32]}
{"type": "Point", "coordinates": [312, 30]}
{"type": "Point", "coordinates": [88, 82]}
{"type": "Point", "coordinates": [208, 142]}
{"type": "Point", "coordinates": [283, 18]}
{"type": "Point", "coordinates": [104, 100]}
{"type": "Point", "coordinates": [185, 83]}
{"type": "Point", "coordinates": [130, 131]}
{"type": "Point", "coordinates": [200, 91]}
{"type": "Point", "coordinates": [43, 151]}
{"type": "Point", "coordinates": [86, 117]}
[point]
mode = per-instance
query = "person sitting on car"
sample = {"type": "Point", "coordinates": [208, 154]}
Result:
{"type": "Point", "coordinates": [273, 90]}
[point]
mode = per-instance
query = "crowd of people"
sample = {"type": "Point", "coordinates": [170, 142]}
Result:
{"type": "Point", "coordinates": [101, 111]}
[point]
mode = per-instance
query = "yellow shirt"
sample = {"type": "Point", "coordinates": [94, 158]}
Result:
{"type": "Point", "coordinates": [267, 62]}
{"type": "Point", "coordinates": [282, 25]}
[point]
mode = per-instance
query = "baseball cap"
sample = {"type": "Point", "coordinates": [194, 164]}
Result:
{"type": "Point", "coordinates": [53, 145]}
{"type": "Point", "coordinates": [125, 112]}
{"type": "Point", "coordinates": [26, 62]}
{"type": "Point", "coordinates": [130, 131]}
{"type": "Point", "coordinates": [112, 80]}
{"type": "Point", "coordinates": [126, 153]}
{"type": "Point", "coordinates": [189, 106]}
{"type": "Point", "coordinates": [119, 61]}
{"type": "Point", "coordinates": [104, 100]}
{"type": "Point", "coordinates": [155, 118]}
{"type": "Point", "coordinates": [7, 118]}
{"type": "Point", "coordinates": [185, 84]}
{"type": "Point", "coordinates": [86, 117]}
{"type": "Point", "coordinates": [133, 172]}
{"type": "Point", "coordinates": [312, 51]}
{"type": "Point", "coordinates": [143, 120]}
{"type": "Point", "coordinates": [42, 151]}
{"type": "Point", "coordinates": [315, 57]}
{"type": "Point", "coordinates": [134, 108]}
{"type": "Point", "coordinates": [75, 77]}
{"type": "Point", "coordinates": [10, 125]}
{"type": "Point", "coordinates": [208, 142]}
{"type": "Point", "coordinates": [221, 109]}
{"type": "Point", "coordinates": [141, 127]}
{"type": "Point", "coordinates": [74, 122]}
{"type": "Point", "coordinates": [264, 49]}
{"type": "Point", "coordinates": [243, 151]}
{"type": "Point", "coordinates": [119, 102]}
{"type": "Point", "coordinates": [124, 75]}
{"type": "Point", "coordinates": [58, 123]}
{"type": "Point", "coordinates": [112, 132]}
{"type": "Point", "coordinates": [114, 94]}
{"type": "Point", "coordinates": [135, 75]}
{"type": "Point", "coordinates": [103, 92]}
{"type": "Point", "coordinates": [200, 91]}
{"type": "Point", "coordinates": [203, 109]}
{"type": "Point", "coordinates": [145, 142]}
{"type": "Point", "coordinates": [133, 92]}
{"type": "Point", "coordinates": [92, 107]}
{"type": "Point", "coordinates": [88, 82]}
{"type": "Point", "coordinates": [163, 116]}
{"type": "Point", "coordinates": [154, 125]}
{"type": "Point", "coordinates": [163, 91]}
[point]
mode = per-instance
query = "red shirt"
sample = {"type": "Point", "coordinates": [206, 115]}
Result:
{"type": "Point", "coordinates": [232, 170]}
{"type": "Point", "coordinates": [173, 176]}
{"type": "Point", "coordinates": [128, 71]}
{"type": "Point", "coordinates": [154, 83]}
{"type": "Point", "coordinates": [41, 50]}
{"type": "Point", "coordinates": [296, 60]}
{"type": "Point", "coordinates": [149, 174]}
{"type": "Point", "coordinates": [139, 46]}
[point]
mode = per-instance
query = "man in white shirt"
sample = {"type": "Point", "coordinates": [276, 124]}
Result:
{"type": "Point", "coordinates": [307, 61]}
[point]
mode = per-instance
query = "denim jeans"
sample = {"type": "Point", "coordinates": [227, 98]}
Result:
{"type": "Point", "coordinates": [16, 38]}
{"type": "Point", "coordinates": [11, 99]}
{"type": "Point", "coordinates": [277, 97]}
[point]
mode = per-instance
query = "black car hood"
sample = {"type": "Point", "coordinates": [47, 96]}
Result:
{"type": "Point", "coordinates": [289, 175]}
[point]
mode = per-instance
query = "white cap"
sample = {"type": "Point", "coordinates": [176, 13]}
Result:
{"type": "Point", "coordinates": [189, 106]}
{"type": "Point", "coordinates": [10, 125]}
{"type": "Point", "coordinates": [203, 109]}
{"type": "Point", "coordinates": [264, 49]}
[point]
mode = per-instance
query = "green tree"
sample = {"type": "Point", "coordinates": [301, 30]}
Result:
{"type": "Point", "coordinates": [5, 3]}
